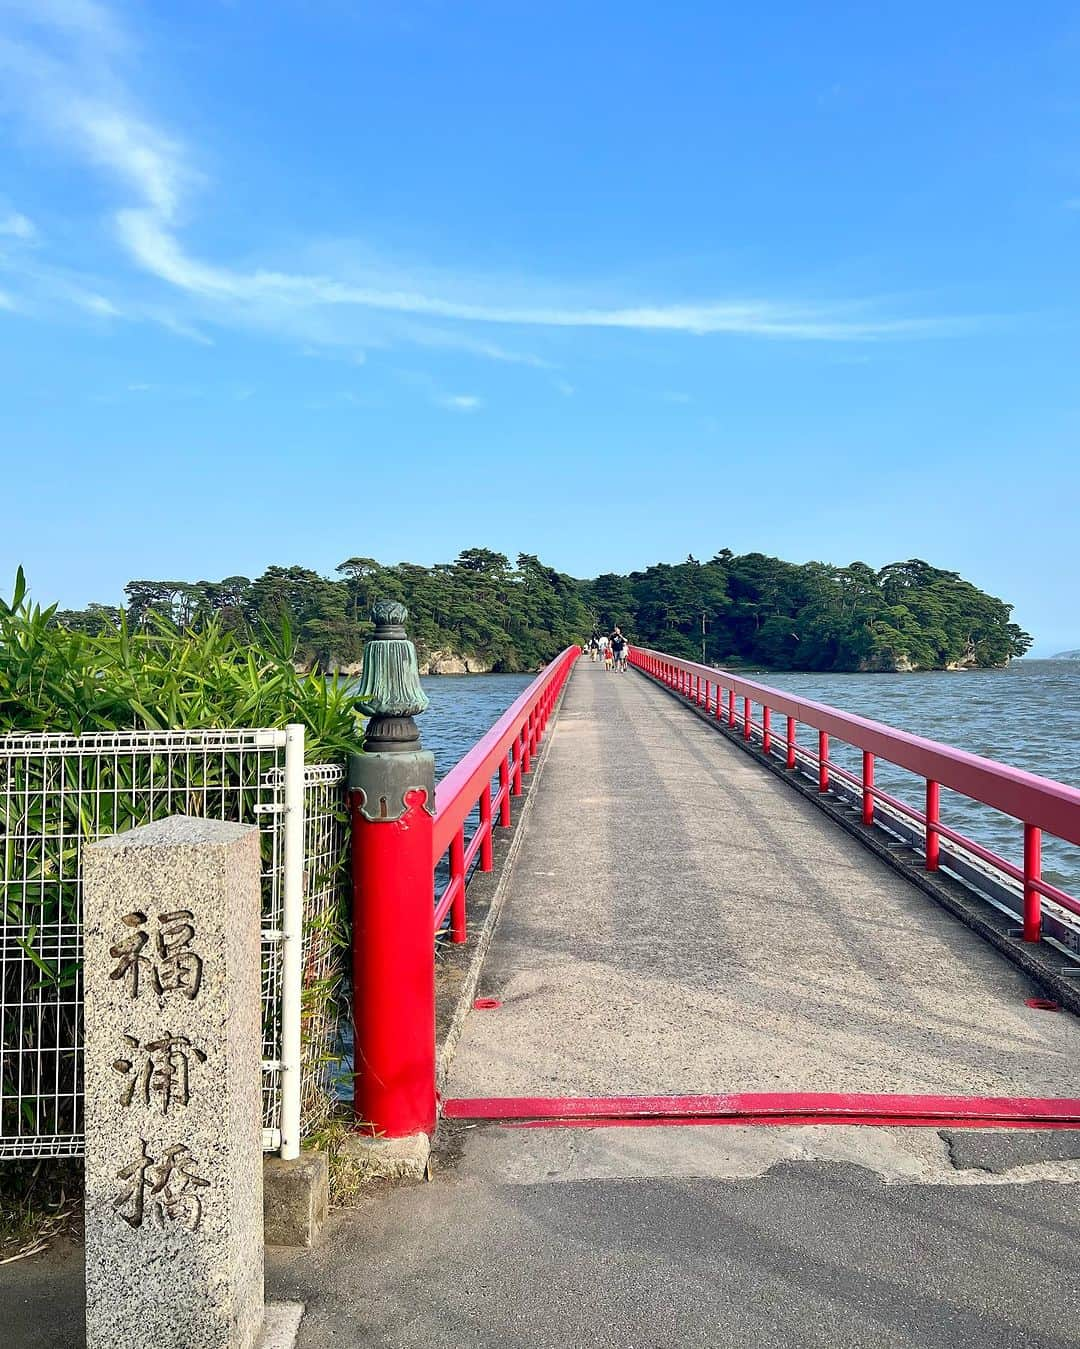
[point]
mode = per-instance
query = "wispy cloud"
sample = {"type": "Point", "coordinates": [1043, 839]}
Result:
{"type": "Point", "coordinates": [565, 388]}
{"type": "Point", "coordinates": [460, 402]}
{"type": "Point", "coordinates": [6, 302]}
{"type": "Point", "coordinates": [96, 304]}
{"type": "Point", "coordinates": [84, 19]}
{"type": "Point", "coordinates": [68, 69]}
{"type": "Point", "coordinates": [17, 226]}
{"type": "Point", "coordinates": [156, 248]}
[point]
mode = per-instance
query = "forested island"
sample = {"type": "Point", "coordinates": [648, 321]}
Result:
{"type": "Point", "coordinates": [481, 612]}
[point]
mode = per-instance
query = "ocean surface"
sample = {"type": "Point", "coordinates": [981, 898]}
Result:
{"type": "Point", "coordinates": [462, 708]}
{"type": "Point", "coordinates": [1027, 715]}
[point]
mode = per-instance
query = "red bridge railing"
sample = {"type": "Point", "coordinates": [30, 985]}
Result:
{"type": "Point", "coordinates": [507, 751]}
{"type": "Point", "coordinates": [399, 840]}
{"type": "Point", "coordinates": [1039, 804]}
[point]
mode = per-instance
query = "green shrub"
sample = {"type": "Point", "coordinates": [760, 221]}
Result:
{"type": "Point", "coordinates": [53, 678]}
{"type": "Point", "coordinates": [56, 679]}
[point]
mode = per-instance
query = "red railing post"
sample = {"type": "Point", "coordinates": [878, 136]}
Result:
{"type": "Point", "coordinates": [823, 761]}
{"type": "Point", "coordinates": [933, 818]}
{"type": "Point", "coordinates": [457, 874]}
{"type": "Point", "coordinates": [867, 788]}
{"type": "Point", "coordinates": [392, 961]}
{"type": "Point", "coordinates": [504, 793]}
{"type": "Point", "coordinates": [486, 847]}
{"type": "Point", "coordinates": [526, 750]}
{"type": "Point", "coordinates": [731, 707]}
{"type": "Point", "coordinates": [791, 732]}
{"type": "Point", "coordinates": [1032, 872]}
{"type": "Point", "coordinates": [766, 735]}
{"type": "Point", "coordinates": [391, 797]}
{"type": "Point", "coordinates": [746, 718]}
{"type": "Point", "coordinates": [516, 789]}
{"type": "Point", "coordinates": [719, 703]}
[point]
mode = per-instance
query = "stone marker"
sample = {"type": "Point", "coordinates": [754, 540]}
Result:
{"type": "Point", "coordinates": [174, 1242]}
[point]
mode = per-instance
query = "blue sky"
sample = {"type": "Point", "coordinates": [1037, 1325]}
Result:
{"type": "Point", "coordinates": [291, 280]}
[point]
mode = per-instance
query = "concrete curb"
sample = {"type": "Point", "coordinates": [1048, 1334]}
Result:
{"type": "Point", "coordinates": [396, 1159]}
{"type": "Point", "coordinates": [281, 1325]}
{"type": "Point", "coordinates": [1041, 964]}
{"type": "Point", "coordinates": [296, 1198]}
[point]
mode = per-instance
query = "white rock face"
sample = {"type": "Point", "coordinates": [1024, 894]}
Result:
{"type": "Point", "coordinates": [446, 662]}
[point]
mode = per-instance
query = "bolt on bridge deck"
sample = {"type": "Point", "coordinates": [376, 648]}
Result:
{"type": "Point", "coordinates": [678, 920]}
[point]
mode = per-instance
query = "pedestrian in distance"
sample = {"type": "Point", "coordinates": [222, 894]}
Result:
{"type": "Point", "coordinates": [619, 646]}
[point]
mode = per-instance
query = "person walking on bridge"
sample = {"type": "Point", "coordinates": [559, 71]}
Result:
{"type": "Point", "coordinates": [619, 646]}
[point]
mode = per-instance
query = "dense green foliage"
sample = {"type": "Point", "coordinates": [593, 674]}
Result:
{"type": "Point", "coordinates": [59, 678]}
{"type": "Point", "coordinates": [754, 610]}
{"type": "Point", "coordinates": [102, 675]}
{"type": "Point", "coordinates": [760, 610]}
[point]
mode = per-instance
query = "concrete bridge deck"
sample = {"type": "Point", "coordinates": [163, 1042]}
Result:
{"type": "Point", "coordinates": [679, 921]}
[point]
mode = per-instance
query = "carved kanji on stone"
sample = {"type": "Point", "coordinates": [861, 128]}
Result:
{"type": "Point", "coordinates": [160, 1072]}
{"type": "Point", "coordinates": [176, 967]}
{"type": "Point", "coordinates": [170, 1188]}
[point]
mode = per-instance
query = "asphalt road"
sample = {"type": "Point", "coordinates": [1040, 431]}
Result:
{"type": "Point", "coordinates": [809, 1254]}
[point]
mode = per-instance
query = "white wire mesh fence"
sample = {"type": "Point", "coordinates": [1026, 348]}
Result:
{"type": "Point", "coordinates": [326, 943]}
{"type": "Point", "coordinates": [60, 792]}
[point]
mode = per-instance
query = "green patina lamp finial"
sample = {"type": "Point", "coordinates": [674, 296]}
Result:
{"type": "Point", "coordinates": [390, 691]}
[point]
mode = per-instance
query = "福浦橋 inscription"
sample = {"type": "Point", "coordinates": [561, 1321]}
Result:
{"type": "Point", "coordinates": [173, 1090]}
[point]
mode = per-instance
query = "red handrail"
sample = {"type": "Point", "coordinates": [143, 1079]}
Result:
{"type": "Point", "coordinates": [507, 749]}
{"type": "Point", "coordinates": [1039, 803]}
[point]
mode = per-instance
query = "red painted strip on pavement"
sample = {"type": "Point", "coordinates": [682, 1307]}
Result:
{"type": "Point", "coordinates": [774, 1121]}
{"type": "Point", "coordinates": [748, 1107]}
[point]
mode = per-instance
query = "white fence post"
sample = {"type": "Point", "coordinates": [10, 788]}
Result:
{"type": "Point", "coordinates": [292, 926]}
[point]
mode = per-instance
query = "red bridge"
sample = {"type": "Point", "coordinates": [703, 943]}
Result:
{"type": "Point", "coordinates": [677, 897]}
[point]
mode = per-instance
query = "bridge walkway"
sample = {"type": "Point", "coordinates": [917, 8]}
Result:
{"type": "Point", "coordinates": [679, 921]}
